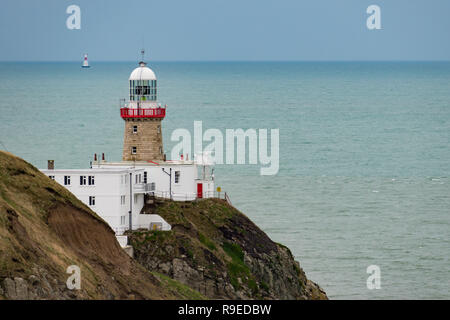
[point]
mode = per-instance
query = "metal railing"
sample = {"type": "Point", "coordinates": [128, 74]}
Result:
{"type": "Point", "coordinates": [191, 196]}
{"type": "Point", "coordinates": [143, 112]}
{"type": "Point", "coordinates": [144, 187]}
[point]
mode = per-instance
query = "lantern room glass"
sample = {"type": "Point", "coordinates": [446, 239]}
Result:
{"type": "Point", "coordinates": [143, 90]}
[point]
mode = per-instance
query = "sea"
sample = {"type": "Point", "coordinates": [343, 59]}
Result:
{"type": "Point", "coordinates": [364, 153]}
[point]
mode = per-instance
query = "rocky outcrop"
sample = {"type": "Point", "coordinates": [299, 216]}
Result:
{"type": "Point", "coordinates": [35, 287]}
{"type": "Point", "coordinates": [216, 250]}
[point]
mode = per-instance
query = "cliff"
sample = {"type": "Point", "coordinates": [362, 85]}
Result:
{"type": "Point", "coordinates": [44, 229]}
{"type": "Point", "coordinates": [218, 251]}
{"type": "Point", "coordinates": [213, 251]}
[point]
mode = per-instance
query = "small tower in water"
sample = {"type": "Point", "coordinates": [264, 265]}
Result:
{"type": "Point", "coordinates": [142, 116]}
{"type": "Point", "coordinates": [85, 62]}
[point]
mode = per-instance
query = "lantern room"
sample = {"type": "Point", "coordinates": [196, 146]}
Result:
{"type": "Point", "coordinates": [143, 91]}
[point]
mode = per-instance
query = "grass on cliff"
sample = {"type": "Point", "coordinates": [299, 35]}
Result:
{"type": "Point", "coordinates": [237, 269]}
{"type": "Point", "coordinates": [206, 241]}
{"type": "Point", "coordinates": [179, 288]}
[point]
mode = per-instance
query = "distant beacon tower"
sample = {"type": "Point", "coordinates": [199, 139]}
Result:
{"type": "Point", "coordinates": [143, 116]}
{"type": "Point", "coordinates": [85, 62]}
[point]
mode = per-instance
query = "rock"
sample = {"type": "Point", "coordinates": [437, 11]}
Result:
{"type": "Point", "coordinates": [169, 250]}
{"type": "Point", "coordinates": [10, 288]}
{"type": "Point", "coordinates": [218, 251]}
{"type": "Point", "coordinates": [33, 280]}
{"type": "Point", "coordinates": [21, 289]}
{"type": "Point", "coordinates": [32, 295]}
{"type": "Point", "coordinates": [165, 267]}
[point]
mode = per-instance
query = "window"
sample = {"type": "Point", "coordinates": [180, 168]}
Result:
{"type": "Point", "coordinates": [133, 150]}
{"type": "Point", "coordinates": [134, 129]}
{"type": "Point", "coordinates": [82, 180]}
{"type": "Point", "coordinates": [122, 220]}
{"type": "Point", "coordinates": [138, 178]}
{"type": "Point", "coordinates": [159, 129]}
{"type": "Point", "coordinates": [135, 198]}
{"type": "Point", "coordinates": [91, 200]}
{"type": "Point", "coordinates": [122, 200]}
{"type": "Point", "coordinates": [67, 180]}
{"type": "Point", "coordinates": [145, 176]}
{"type": "Point", "coordinates": [177, 176]}
{"type": "Point", "coordinates": [142, 90]}
{"type": "Point", "coordinates": [160, 150]}
{"type": "Point", "coordinates": [52, 177]}
{"type": "Point", "coordinates": [91, 180]}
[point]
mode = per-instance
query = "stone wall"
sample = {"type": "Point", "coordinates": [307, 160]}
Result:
{"type": "Point", "coordinates": [147, 140]}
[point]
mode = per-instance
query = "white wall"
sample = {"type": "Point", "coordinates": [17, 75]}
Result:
{"type": "Point", "coordinates": [145, 220]}
{"type": "Point", "coordinates": [184, 190]}
{"type": "Point", "coordinates": [109, 186]}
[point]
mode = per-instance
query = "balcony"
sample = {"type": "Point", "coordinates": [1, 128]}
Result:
{"type": "Point", "coordinates": [144, 187]}
{"type": "Point", "coordinates": [127, 113]}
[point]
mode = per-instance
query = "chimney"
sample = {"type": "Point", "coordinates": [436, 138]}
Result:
{"type": "Point", "coordinates": [50, 164]}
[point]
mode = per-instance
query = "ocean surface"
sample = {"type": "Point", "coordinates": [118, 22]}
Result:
{"type": "Point", "coordinates": [364, 173]}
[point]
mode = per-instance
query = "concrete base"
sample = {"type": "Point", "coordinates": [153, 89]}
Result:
{"type": "Point", "coordinates": [129, 250]}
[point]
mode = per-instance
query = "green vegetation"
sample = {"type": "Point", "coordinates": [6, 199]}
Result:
{"type": "Point", "coordinates": [207, 242]}
{"type": "Point", "coordinates": [237, 267]}
{"type": "Point", "coordinates": [264, 286]}
{"type": "Point", "coordinates": [234, 251]}
{"type": "Point", "coordinates": [178, 287]}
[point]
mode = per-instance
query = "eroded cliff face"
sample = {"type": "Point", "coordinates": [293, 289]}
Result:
{"type": "Point", "coordinates": [216, 250]}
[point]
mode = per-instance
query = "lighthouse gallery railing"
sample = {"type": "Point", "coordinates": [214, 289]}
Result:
{"type": "Point", "coordinates": [143, 112]}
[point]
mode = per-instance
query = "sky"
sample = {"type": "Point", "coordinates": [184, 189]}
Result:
{"type": "Point", "coordinates": [219, 30]}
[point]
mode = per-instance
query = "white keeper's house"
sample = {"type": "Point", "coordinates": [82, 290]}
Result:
{"type": "Point", "coordinates": [118, 191]}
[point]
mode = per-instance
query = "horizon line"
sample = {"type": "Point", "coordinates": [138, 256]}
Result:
{"type": "Point", "coordinates": [207, 60]}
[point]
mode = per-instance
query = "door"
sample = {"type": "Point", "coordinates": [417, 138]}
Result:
{"type": "Point", "coordinates": [199, 190]}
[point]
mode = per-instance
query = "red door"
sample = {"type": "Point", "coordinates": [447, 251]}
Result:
{"type": "Point", "coordinates": [199, 190]}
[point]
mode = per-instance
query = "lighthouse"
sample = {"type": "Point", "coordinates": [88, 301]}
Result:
{"type": "Point", "coordinates": [85, 62]}
{"type": "Point", "coordinates": [143, 116]}
{"type": "Point", "coordinates": [118, 191]}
